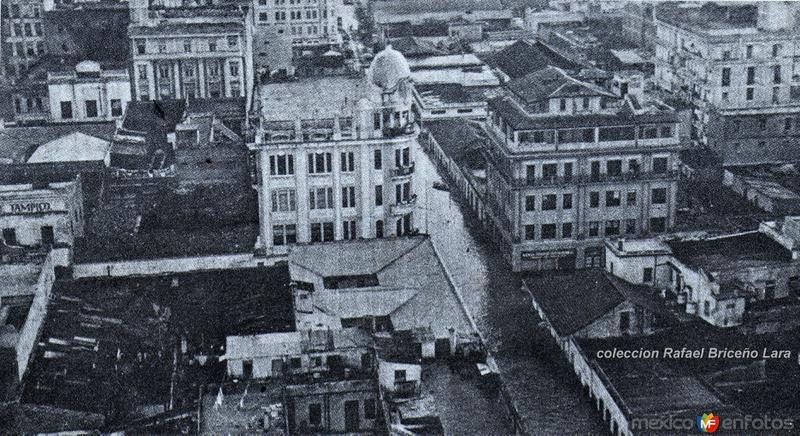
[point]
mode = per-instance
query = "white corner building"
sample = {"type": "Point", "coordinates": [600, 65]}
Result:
{"type": "Point", "coordinates": [335, 156]}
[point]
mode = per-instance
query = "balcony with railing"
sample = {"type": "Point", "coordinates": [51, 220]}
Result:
{"type": "Point", "coordinates": [404, 207]}
{"type": "Point", "coordinates": [403, 171]}
{"type": "Point", "coordinates": [397, 131]}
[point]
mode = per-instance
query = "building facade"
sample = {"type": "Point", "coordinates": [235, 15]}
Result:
{"type": "Point", "coordinates": [569, 163]}
{"type": "Point", "coordinates": [181, 51]}
{"type": "Point", "coordinates": [308, 23]}
{"type": "Point", "coordinates": [335, 156]}
{"type": "Point", "coordinates": [22, 35]}
{"type": "Point", "coordinates": [737, 64]}
{"type": "Point", "coordinates": [88, 93]}
{"type": "Point", "coordinates": [36, 216]}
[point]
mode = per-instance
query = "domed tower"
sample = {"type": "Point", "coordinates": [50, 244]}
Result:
{"type": "Point", "coordinates": [394, 120]}
{"type": "Point", "coordinates": [390, 72]}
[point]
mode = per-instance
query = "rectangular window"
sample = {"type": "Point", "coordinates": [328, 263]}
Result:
{"type": "Point", "coordinates": [749, 94]}
{"type": "Point", "coordinates": [140, 46]}
{"type": "Point", "coordinates": [320, 198]}
{"type": "Point", "coordinates": [378, 195]}
{"type": "Point", "coordinates": [281, 165]}
{"type": "Point", "coordinates": [530, 232]}
{"type": "Point", "coordinates": [233, 41]}
{"type": "Point", "coordinates": [319, 163]}
{"type": "Point", "coordinates": [594, 229]}
{"type": "Point", "coordinates": [378, 159]}
{"type": "Point", "coordinates": [630, 198]}
{"type": "Point", "coordinates": [66, 109]}
{"type": "Point", "coordinates": [624, 321]}
{"type": "Point", "coordinates": [566, 201]}
{"type": "Point", "coordinates": [566, 230]}
{"type": "Point", "coordinates": [91, 108]}
{"type": "Point", "coordinates": [284, 200]}
{"type": "Point", "coordinates": [549, 171]}
{"type": "Point", "coordinates": [530, 174]}
{"type": "Point", "coordinates": [349, 229]}
{"type": "Point", "coordinates": [322, 232]}
{"type": "Point", "coordinates": [568, 171]}
{"type": "Point", "coordinates": [647, 275]}
{"type": "Point", "coordinates": [284, 234]}
{"type": "Point", "coordinates": [659, 165]}
{"type": "Point", "coordinates": [315, 414]}
{"type": "Point", "coordinates": [614, 167]}
{"type": "Point", "coordinates": [751, 75]}
{"type": "Point", "coordinates": [379, 228]}
{"type": "Point", "coordinates": [549, 202]}
{"type": "Point", "coordinates": [116, 107]}
{"type": "Point", "coordinates": [10, 236]}
{"type": "Point", "coordinates": [659, 196]}
{"type": "Point", "coordinates": [749, 51]}
{"type": "Point", "coordinates": [548, 231]}
{"type": "Point", "coordinates": [776, 74]}
{"type": "Point", "coordinates": [349, 196]}
{"type": "Point", "coordinates": [613, 198]}
{"type": "Point", "coordinates": [726, 77]}
{"type": "Point", "coordinates": [530, 203]}
{"type": "Point", "coordinates": [562, 105]}
{"type": "Point", "coordinates": [612, 227]}
{"type": "Point", "coordinates": [348, 162]}
{"type": "Point", "coordinates": [630, 226]}
{"type": "Point", "coordinates": [595, 171]}
{"type": "Point", "coordinates": [658, 225]}
{"type": "Point", "coordinates": [594, 199]}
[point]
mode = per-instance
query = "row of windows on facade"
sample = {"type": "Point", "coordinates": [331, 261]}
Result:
{"type": "Point", "coordinates": [165, 70]}
{"type": "Point", "coordinates": [612, 199]}
{"type": "Point", "coordinates": [315, 412]}
{"type": "Point", "coordinates": [296, 14]}
{"type": "Point", "coordinates": [28, 105]}
{"type": "Point", "coordinates": [24, 49]}
{"type": "Point", "coordinates": [285, 200]}
{"type": "Point", "coordinates": [750, 94]}
{"type": "Point", "coordinates": [283, 234]}
{"type": "Point", "coordinates": [90, 107]}
{"type": "Point", "coordinates": [762, 123]}
{"type": "Point", "coordinates": [26, 29]}
{"type": "Point", "coordinates": [587, 134]}
{"type": "Point", "coordinates": [188, 45]}
{"type": "Point", "coordinates": [283, 2]}
{"type": "Point", "coordinates": [47, 235]}
{"type": "Point", "coordinates": [613, 167]}
{"type": "Point", "coordinates": [322, 163]}
{"type": "Point", "coordinates": [750, 74]}
{"type": "Point", "coordinates": [750, 50]}
{"type": "Point", "coordinates": [298, 30]}
{"type": "Point", "coordinates": [609, 228]}
{"type": "Point", "coordinates": [20, 11]}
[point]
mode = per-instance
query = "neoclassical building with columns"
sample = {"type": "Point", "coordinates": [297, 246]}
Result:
{"type": "Point", "coordinates": [335, 156]}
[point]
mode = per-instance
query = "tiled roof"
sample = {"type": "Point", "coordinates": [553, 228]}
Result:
{"type": "Point", "coordinates": [549, 83]}
{"type": "Point", "coordinates": [522, 58]}
{"type": "Point", "coordinates": [573, 300]}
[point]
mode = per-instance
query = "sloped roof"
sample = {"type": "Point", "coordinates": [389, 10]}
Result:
{"type": "Point", "coordinates": [523, 57]}
{"type": "Point", "coordinates": [551, 82]}
{"type": "Point", "coordinates": [359, 303]}
{"type": "Point", "coordinates": [19, 143]}
{"type": "Point", "coordinates": [270, 344]}
{"type": "Point", "coordinates": [573, 300]}
{"type": "Point", "coordinates": [74, 147]}
{"type": "Point", "coordinates": [351, 258]}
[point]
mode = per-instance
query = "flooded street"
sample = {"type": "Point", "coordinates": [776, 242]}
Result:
{"type": "Point", "coordinates": [546, 392]}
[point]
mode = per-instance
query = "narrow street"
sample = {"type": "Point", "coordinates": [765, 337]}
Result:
{"type": "Point", "coordinates": [546, 392]}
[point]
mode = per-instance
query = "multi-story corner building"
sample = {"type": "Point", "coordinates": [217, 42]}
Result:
{"type": "Point", "coordinates": [335, 156]}
{"type": "Point", "coordinates": [186, 50]}
{"type": "Point", "coordinates": [308, 23]}
{"type": "Point", "coordinates": [22, 36]}
{"type": "Point", "coordinates": [738, 66]}
{"type": "Point", "coordinates": [88, 93]}
{"type": "Point", "coordinates": [569, 163]}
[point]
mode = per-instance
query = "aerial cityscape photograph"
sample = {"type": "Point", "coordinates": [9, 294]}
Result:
{"type": "Point", "coordinates": [399, 217]}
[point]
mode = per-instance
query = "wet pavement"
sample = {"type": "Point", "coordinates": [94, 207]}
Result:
{"type": "Point", "coordinates": [544, 389]}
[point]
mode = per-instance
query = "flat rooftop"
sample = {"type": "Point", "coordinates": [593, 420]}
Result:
{"type": "Point", "coordinates": [735, 252]}
{"type": "Point", "coordinates": [17, 144]}
{"type": "Point", "coordinates": [313, 97]}
{"type": "Point", "coordinates": [97, 326]}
